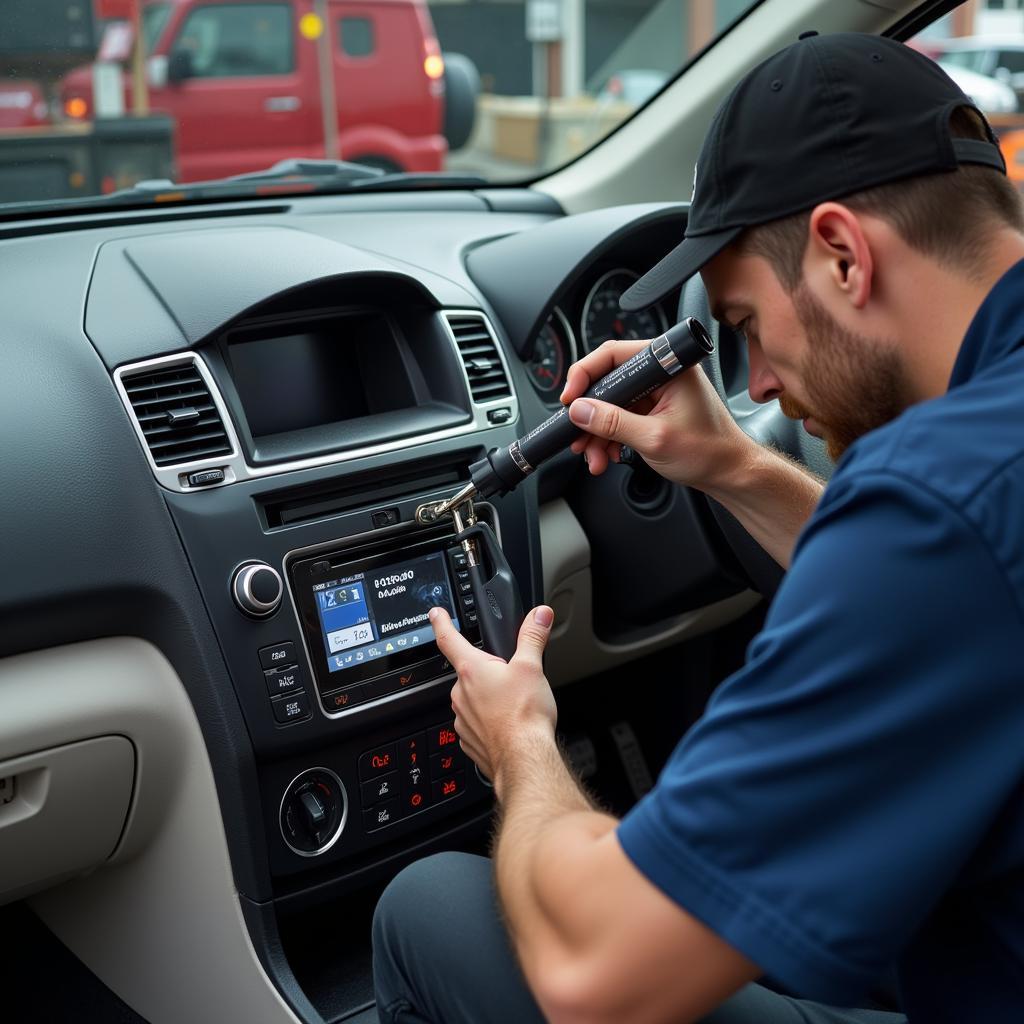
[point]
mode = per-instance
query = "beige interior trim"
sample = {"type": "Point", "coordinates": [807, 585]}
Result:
{"type": "Point", "coordinates": [574, 651]}
{"type": "Point", "coordinates": [160, 923]}
{"type": "Point", "coordinates": [62, 811]}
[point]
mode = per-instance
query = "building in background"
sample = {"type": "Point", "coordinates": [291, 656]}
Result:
{"type": "Point", "coordinates": [994, 18]}
{"type": "Point", "coordinates": [597, 37]}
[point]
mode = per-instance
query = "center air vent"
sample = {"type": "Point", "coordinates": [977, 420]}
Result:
{"type": "Point", "coordinates": [176, 414]}
{"type": "Point", "coordinates": [479, 353]}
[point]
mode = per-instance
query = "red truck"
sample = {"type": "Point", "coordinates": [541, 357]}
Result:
{"type": "Point", "coordinates": [246, 83]}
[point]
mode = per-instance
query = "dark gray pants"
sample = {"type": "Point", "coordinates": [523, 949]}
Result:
{"type": "Point", "coordinates": [441, 956]}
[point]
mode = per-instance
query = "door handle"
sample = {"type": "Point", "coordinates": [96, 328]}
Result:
{"type": "Point", "coordinates": [281, 104]}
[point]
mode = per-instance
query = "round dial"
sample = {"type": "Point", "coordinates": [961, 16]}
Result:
{"type": "Point", "coordinates": [604, 319]}
{"type": "Point", "coordinates": [554, 349]}
{"type": "Point", "coordinates": [313, 812]}
{"type": "Point", "coordinates": [257, 589]}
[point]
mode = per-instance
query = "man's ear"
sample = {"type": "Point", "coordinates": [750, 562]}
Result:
{"type": "Point", "coordinates": [838, 255]}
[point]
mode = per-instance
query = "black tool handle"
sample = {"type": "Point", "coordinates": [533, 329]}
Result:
{"type": "Point", "coordinates": [679, 348]}
{"type": "Point", "coordinates": [499, 608]}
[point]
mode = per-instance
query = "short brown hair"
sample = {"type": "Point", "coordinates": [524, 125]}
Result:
{"type": "Point", "coordinates": [947, 216]}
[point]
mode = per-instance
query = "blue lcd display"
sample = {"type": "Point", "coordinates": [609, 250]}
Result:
{"type": "Point", "coordinates": [381, 612]}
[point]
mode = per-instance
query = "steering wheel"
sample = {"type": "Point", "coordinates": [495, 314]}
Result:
{"type": "Point", "coordinates": [728, 371]}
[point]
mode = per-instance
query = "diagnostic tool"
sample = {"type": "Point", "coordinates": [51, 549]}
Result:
{"type": "Point", "coordinates": [503, 469]}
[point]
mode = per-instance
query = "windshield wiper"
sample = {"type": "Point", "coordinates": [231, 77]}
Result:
{"type": "Point", "coordinates": [286, 177]}
{"type": "Point", "coordinates": [335, 173]}
{"type": "Point", "coordinates": [312, 170]}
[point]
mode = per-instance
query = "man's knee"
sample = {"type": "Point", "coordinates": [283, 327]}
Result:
{"type": "Point", "coordinates": [421, 926]}
{"type": "Point", "coordinates": [432, 901]}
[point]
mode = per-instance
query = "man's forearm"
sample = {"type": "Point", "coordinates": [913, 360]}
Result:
{"type": "Point", "coordinates": [537, 794]}
{"type": "Point", "coordinates": [771, 496]}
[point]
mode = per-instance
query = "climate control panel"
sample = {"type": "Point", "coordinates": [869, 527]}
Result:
{"type": "Point", "coordinates": [411, 774]}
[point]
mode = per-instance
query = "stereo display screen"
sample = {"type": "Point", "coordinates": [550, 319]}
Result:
{"type": "Point", "coordinates": [365, 619]}
{"type": "Point", "coordinates": [370, 615]}
{"type": "Point", "coordinates": [364, 616]}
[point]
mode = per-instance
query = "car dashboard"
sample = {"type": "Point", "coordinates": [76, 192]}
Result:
{"type": "Point", "coordinates": [215, 645]}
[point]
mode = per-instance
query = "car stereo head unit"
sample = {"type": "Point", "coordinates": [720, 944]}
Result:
{"type": "Point", "coordinates": [364, 616]}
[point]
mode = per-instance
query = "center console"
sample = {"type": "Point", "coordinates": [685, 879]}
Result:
{"type": "Point", "coordinates": [344, 690]}
{"type": "Point", "coordinates": [298, 517]}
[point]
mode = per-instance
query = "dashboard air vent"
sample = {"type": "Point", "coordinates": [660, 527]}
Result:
{"type": "Point", "coordinates": [176, 414]}
{"type": "Point", "coordinates": [479, 353]}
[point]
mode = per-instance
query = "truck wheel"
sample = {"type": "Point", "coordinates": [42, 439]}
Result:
{"type": "Point", "coordinates": [461, 89]}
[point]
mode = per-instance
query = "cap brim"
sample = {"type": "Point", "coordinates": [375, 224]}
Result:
{"type": "Point", "coordinates": [678, 266]}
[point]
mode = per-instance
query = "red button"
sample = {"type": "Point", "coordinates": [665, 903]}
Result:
{"type": "Point", "coordinates": [443, 737]}
{"type": "Point", "coordinates": [377, 762]}
{"type": "Point", "coordinates": [448, 787]}
{"type": "Point", "coordinates": [416, 800]}
{"type": "Point", "coordinates": [345, 698]}
{"type": "Point", "coordinates": [412, 751]}
{"type": "Point", "coordinates": [444, 762]}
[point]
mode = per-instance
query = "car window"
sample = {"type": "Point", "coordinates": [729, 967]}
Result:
{"type": "Point", "coordinates": [154, 19]}
{"type": "Point", "coordinates": [972, 60]}
{"type": "Point", "coordinates": [356, 35]}
{"type": "Point", "coordinates": [227, 41]}
{"type": "Point", "coordinates": [971, 44]}
{"type": "Point", "coordinates": [1012, 60]}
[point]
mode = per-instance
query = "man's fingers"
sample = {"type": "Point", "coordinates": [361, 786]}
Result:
{"type": "Point", "coordinates": [614, 424]}
{"type": "Point", "coordinates": [596, 454]}
{"type": "Point", "coordinates": [533, 635]}
{"type": "Point", "coordinates": [451, 643]}
{"type": "Point", "coordinates": [599, 363]}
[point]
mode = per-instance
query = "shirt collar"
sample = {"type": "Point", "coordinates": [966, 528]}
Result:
{"type": "Point", "coordinates": [996, 330]}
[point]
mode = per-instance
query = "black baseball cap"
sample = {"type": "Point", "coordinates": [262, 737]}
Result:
{"type": "Point", "coordinates": [825, 117]}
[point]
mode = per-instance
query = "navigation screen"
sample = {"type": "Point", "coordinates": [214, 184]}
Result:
{"type": "Point", "coordinates": [381, 612]}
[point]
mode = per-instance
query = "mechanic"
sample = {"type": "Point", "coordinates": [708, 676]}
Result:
{"type": "Point", "coordinates": [853, 798]}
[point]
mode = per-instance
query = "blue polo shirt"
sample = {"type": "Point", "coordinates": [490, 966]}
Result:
{"type": "Point", "coordinates": [853, 798]}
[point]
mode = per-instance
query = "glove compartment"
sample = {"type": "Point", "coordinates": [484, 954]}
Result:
{"type": "Point", "coordinates": [62, 811]}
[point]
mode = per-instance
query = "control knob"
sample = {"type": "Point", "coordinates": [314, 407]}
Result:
{"type": "Point", "coordinates": [313, 812]}
{"type": "Point", "coordinates": [257, 589]}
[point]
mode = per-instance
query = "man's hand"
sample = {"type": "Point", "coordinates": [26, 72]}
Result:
{"type": "Point", "coordinates": [497, 704]}
{"type": "Point", "coordinates": [683, 430]}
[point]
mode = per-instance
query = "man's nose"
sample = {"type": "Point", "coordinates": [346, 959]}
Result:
{"type": "Point", "coordinates": [763, 385]}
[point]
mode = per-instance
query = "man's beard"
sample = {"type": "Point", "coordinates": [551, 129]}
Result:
{"type": "Point", "coordinates": [854, 384]}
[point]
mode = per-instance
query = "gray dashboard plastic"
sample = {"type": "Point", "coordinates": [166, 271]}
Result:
{"type": "Point", "coordinates": [89, 548]}
{"type": "Point", "coordinates": [549, 260]}
{"type": "Point", "coordinates": [203, 279]}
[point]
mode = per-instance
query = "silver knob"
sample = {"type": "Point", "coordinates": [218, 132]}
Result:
{"type": "Point", "coordinates": [257, 589]}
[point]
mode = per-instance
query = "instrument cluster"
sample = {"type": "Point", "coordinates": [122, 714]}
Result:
{"type": "Point", "coordinates": [587, 317]}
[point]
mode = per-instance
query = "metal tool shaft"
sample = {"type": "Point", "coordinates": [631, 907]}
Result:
{"type": "Point", "coordinates": [503, 469]}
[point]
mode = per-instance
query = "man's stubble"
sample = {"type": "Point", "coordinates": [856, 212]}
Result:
{"type": "Point", "coordinates": [854, 383]}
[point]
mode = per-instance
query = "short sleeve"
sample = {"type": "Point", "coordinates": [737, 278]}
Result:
{"type": "Point", "coordinates": [837, 784]}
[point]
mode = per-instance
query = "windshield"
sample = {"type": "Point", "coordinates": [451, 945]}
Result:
{"type": "Point", "coordinates": [500, 91]}
{"type": "Point", "coordinates": [99, 95]}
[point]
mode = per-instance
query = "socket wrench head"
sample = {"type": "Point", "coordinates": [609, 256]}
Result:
{"type": "Point", "coordinates": [426, 515]}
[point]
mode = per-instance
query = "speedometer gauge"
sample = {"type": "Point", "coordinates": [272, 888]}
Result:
{"type": "Point", "coordinates": [604, 319]}
{"type": "Point", "coordinates": [554, 349]}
